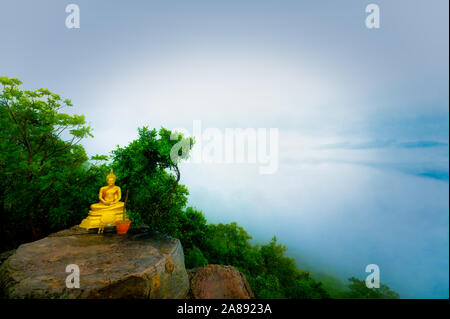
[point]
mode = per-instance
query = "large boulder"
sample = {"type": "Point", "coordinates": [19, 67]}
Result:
{"type": "Point", "coordinates": [136, 265]}
{"type": "Point", "coordinates": [218, 282]}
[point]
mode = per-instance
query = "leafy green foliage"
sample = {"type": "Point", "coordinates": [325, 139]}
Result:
{"type": "Point", "coordinates": [146, 168]}
{"type": "Point", "coordinates": [333, 286]}
{"type": "Point", "coordinates": [41, 172]}
{"type": "Point", "coordinates": [195, 257]}
{"type": "Point", "coordinates": [228, 244]}
{"type": "Point", "coordinates": [270, 273]}
{"type": "Point", "coordinates": [357, 289]}
{"type": "Point", "coordinates": [266, 286]}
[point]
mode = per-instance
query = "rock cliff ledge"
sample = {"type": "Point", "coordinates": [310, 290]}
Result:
{"type": "Point", "coordinates": [136, 265]}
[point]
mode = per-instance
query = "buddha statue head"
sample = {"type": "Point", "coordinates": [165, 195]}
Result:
{"type": "Point", "coordinates": [111, 178]}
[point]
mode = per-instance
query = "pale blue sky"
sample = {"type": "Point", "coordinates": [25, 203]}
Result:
{"type": "Point", "coordinates": [362, 114]}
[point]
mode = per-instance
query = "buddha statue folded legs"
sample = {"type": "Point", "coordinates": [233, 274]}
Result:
{"type": "Point", "coordinates": [109, 209]}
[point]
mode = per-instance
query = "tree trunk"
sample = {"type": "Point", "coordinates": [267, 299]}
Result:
{"type": "Point", "coordinates": [34, 235]}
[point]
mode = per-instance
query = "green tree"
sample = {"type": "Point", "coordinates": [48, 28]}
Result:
{"type": "Point", "coordinates": [192, 228]}
{"type": "Point", "coordinates": [294, 283]}
{"type": "Point", "coordinates": [40, 157]}
{"type": "Point", "coordinates": [228, 244]}
{"type": "Point", "coordinates": [193, 257]}
{"type": "Point", "coordinates": [266, 286]}
{"type": "Point", "coordinates": [270, 273]}
{"type": "Point", "coordinates": [333, 285]}
{"type": "Point", "coordinates": [357, 289]}
{"type": "Point", "coordinates": [148, 170]}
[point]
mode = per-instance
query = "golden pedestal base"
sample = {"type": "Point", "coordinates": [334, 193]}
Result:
{"type": "Point", "coordinates": [102, 218]}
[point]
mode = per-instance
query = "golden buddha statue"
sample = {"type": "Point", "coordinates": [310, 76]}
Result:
{"type": "Point", "coordinates": [109, 210]}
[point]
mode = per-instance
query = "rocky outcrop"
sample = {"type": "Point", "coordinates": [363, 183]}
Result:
{"type": "Point", "coordinates": [218, 282]}
{"type": "Point", "coordinates": [5, 255]}
{"type": "Point", "coordinates": [136, 265]}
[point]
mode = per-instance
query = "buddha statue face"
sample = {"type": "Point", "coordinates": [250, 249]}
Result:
{"type": "Point", "coordinates": [110, 181]}
{"type": "Point", "coordinates": [111, 178]}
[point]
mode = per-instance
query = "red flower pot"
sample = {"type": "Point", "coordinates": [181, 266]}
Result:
{"type": "Point", "coordinates": [122, 227]}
